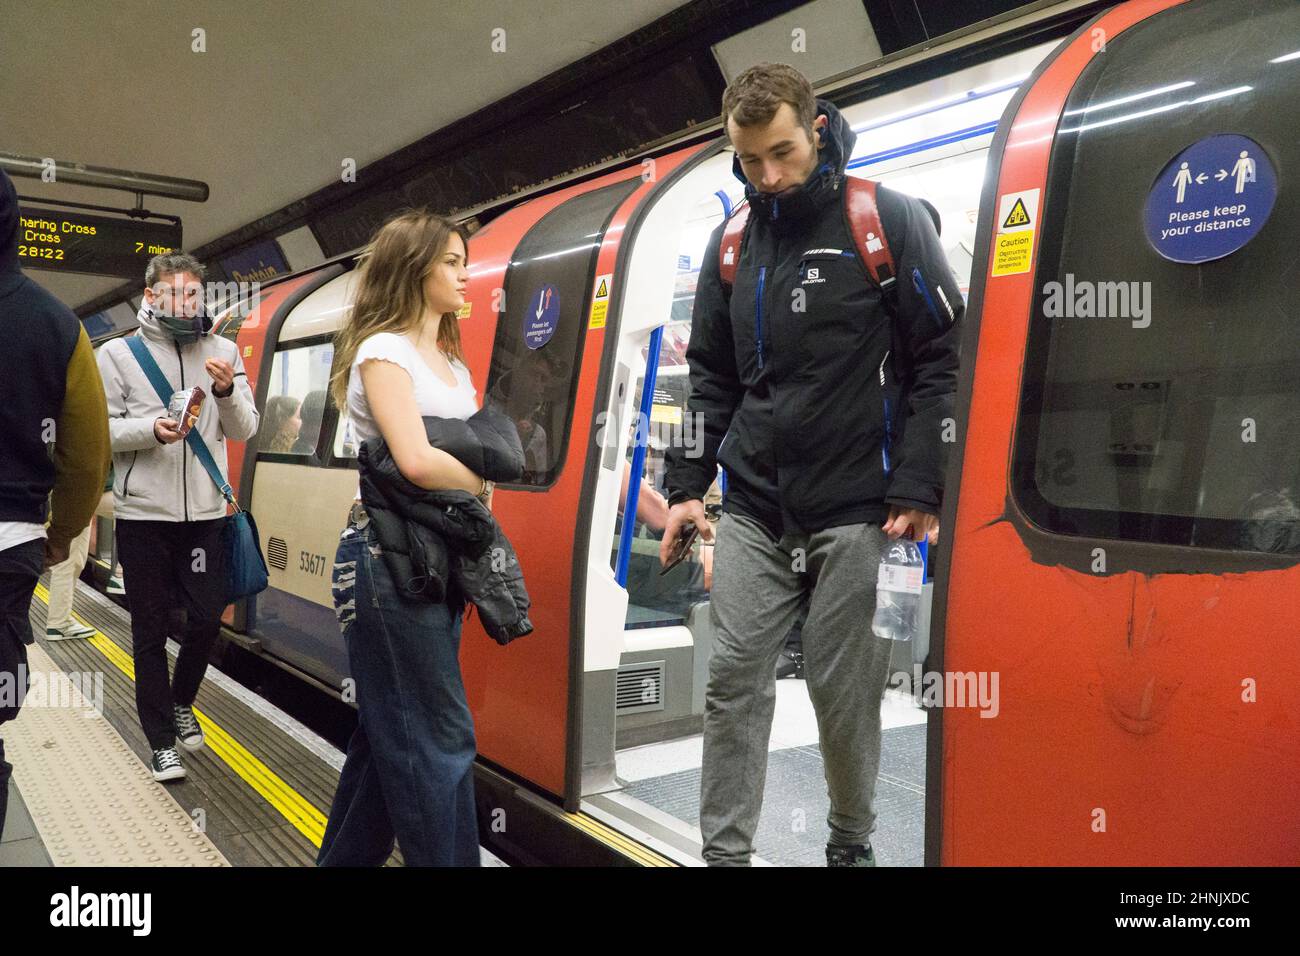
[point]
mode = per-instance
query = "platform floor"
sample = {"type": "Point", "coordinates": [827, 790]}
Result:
{"type": "Point", "coordinates": [20, 844]}
{"type": "Point", "coordinates": [81, 794]}
{"type": "Point", "coordinates": [792, 828]}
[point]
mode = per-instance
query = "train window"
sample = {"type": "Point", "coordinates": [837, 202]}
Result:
{"type": "Point", "coordinates": [537, 351]}
{"type": "Point", "coordinates": [296, 401]}
{"type": "Point", "coordinates": [345, 439]}
{"type": "Point", "coordinates": [1160, 401]}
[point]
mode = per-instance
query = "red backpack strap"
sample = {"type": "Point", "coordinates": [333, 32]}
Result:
{"type": "Point", "coordinates": [868, 231]}
{"type": "Point", "coordinates": [733, 234]}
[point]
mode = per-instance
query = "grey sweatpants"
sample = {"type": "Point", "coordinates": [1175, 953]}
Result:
{"type": "Point", "coordinates": [758, 587]}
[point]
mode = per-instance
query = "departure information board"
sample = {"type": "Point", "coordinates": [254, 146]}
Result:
{"type": "Point", "coordinates": [65, 240]}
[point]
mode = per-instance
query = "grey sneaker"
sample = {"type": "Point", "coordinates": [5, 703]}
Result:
{"type": "Point", "coordinates": [166, 764]}
{"type": "Point", "coordinates": [188, 731]}
{"type": "Point", "coordinates": [856, 855]}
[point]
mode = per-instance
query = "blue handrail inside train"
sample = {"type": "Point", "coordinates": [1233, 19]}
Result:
{"type": "Point", "coordinates": [638, 456]}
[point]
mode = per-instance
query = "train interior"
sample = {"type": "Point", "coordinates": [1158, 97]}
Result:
{"type": "Point", "coordinates": [930, 141]}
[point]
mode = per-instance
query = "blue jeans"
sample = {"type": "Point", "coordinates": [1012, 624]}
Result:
{"type": "Point", "coordinates": [409, 772]}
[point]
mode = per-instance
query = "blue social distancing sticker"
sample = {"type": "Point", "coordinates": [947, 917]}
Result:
{"type": "Point", "coordinates": [1211, 199]}
{"type": "Point", "coordinates": [542, 316]}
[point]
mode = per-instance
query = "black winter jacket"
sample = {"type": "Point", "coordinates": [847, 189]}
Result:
{"type": "Point", "coordinates": [824, 415]}
{"type": "Point", "coordinates": [445, 545]}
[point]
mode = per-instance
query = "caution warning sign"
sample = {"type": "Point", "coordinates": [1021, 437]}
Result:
{"type": "Point", "coordinates": [1017, 216]}
{"type": "Point", "coordinates": [1013, 244]}
{"type": "Point", "coordinates": [1012, 252]}
{"type": "Point", "coordinates": [600, 301]}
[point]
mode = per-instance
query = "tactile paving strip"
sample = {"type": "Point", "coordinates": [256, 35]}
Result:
{"type": "Point", "coordinates": [93, 802]}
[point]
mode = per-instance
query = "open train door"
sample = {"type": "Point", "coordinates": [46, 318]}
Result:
{"type": "Point", "coordinates": [1123, 522]}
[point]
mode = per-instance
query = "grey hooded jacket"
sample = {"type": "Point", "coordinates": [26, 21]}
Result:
{"type": "Point", "coordinates": [158, 482]}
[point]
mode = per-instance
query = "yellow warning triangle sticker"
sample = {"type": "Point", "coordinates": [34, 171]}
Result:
{"type": "Point", "coordinates": [1018, 216]}
{"type": "Point", "coordinates": [603, 290]}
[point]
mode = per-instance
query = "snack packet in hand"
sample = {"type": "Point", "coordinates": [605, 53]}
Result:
{"type": "Point", "coordinates": [185, 406]}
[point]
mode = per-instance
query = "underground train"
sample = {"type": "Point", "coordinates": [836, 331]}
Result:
{"type": "Point", "coordinates": [1120, 528]}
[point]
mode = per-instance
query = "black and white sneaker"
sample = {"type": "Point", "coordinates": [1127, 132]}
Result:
{"type": "Point", "coordinates": [166, 764]}
{"type": "Point", "coordinates": [188, 731]}
{"type": "Point", "coordinates": [857, 855]}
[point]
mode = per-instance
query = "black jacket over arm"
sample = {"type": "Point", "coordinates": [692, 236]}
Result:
{"type": "Point", "coordinates": [445, 545]}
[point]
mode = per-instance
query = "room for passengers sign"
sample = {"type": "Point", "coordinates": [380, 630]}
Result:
{"type": "Point", "coordinates": [65, 240]}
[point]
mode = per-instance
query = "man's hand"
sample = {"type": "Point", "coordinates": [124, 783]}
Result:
{"type": "Point", "coordinates": [167, 431]}
{"type": "Point", "coordinates": [223, 376]}
{"type": "Point", "coordinates": [679, 515]}
{"type": "Point", "coordinates": [912, 523]}
{"type": "Point", "coordinates": [55, 553]}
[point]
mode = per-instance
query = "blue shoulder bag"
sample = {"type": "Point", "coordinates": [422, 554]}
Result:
{"type": "Point", "coordinates": [246, 572]}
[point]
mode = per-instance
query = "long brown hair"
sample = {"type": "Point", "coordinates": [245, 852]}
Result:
{"type": "Point", "coordinates": [390, 289]}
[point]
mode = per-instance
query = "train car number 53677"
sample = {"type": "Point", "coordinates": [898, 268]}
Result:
{"type": "Point", "coordinates": [311, 563]}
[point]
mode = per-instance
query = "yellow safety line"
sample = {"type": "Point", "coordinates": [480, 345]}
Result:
{"type": "Point", "coordinates": [306, 818]}
{"type": "Point", "coordinates": [628, 847]}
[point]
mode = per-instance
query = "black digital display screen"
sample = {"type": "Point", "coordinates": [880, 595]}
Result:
{"type": "Point", "coordinates": [64, 240]}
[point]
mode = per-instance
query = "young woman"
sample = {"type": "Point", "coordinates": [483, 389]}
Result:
{"type": "Point", "coordinates": [409, 769]}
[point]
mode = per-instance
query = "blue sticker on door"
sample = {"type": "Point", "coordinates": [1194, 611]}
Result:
{"type": "Point", "coordinates": [542, 316]}
{"type": "Point", "coordinates": [1211, 199]}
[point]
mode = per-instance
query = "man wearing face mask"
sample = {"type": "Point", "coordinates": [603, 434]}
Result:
{"type": "Point", "coordinates": [169, 511]}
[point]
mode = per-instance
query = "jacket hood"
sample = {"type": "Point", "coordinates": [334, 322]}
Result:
{"type": "Point", "coordinates": [832, 160]}
{"type": "Point", "coordinates": [8, 224]}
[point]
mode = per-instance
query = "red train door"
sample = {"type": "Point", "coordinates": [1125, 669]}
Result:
{"type": "Point", "coordinates": [534, 339]}
{"type": "Point", "coordinates": [1123, 522]}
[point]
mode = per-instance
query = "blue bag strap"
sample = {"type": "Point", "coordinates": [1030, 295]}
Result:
{"type": "Point", "coordinates": [151, 370]}
{"type": "Point", "coordinates": [210, 466]}
{"type": "Point", "coordinates": [164, 389]}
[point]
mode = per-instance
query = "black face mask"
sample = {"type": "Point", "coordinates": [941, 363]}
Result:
{"type": "Point", "coordinates": [183, 329]}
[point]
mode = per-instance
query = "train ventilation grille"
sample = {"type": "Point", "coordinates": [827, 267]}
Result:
{"type": "Point", "coordinates": [640, 687]}
{"type": "Point", "coordinates": [277, 553]}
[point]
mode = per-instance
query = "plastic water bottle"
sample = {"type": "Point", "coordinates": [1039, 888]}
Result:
{"type": "Point", "coordinates": [898, 591]}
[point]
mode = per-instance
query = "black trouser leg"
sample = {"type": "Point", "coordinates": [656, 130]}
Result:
{"type": "Point", "coordinates": [202, 587]}
{"type": "Point", "coordinates": [149, 563]}
{"type": "Point", "coordinates": [20, 566]}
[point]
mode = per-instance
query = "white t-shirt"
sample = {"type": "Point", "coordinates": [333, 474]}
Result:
{"type": "Point", "coordinates": [14, 533]}
{"type": "Point", "coordinates": [432, 394]}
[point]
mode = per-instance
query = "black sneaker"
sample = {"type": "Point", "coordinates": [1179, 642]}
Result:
{"type": "Point", "coordinates": [166, 764]}
{"type": "Point", "coordinates": [856, 855]}
{"type": "Point", "coordinates": [188, 731]}
{"type": "Point", "coordinates": [786, 666]}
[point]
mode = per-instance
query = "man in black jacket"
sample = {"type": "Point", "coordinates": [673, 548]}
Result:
{"type": "Point", "coordinates": [828, 415]}
{"type": "Point", "coordinates": [50, 393]}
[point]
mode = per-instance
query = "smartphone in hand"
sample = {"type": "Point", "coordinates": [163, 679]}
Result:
{"type": "Point", "coordinates": [681, 547]}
